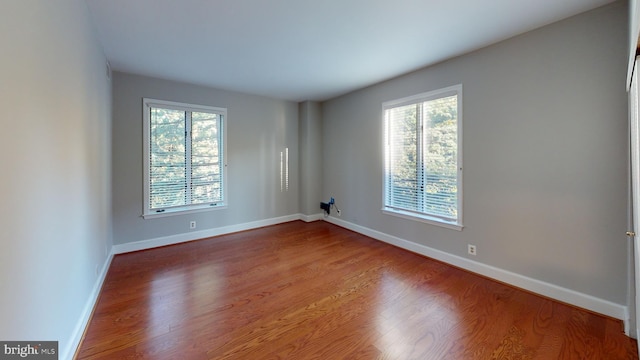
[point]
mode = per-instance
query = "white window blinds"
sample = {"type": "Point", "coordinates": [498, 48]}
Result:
{"type": "Point", "coordinates": [184, 157]}
{"type": "Point", "coordinates": [422, 174]}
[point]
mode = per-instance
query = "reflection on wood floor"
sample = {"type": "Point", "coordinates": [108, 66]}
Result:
{"type": "Point", "coordinates": [317, 291]}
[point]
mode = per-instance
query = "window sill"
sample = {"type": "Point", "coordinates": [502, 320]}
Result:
{"type": "Point", "coordinates": [182, 211]}
{"type": "Point", "coordinates": [424, 218]}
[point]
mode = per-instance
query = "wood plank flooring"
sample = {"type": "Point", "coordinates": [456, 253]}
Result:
{"type": "Point", "coordinates": [317, 291]}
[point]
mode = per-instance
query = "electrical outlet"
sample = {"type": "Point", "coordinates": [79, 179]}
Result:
{"type": "Point", "coordinates": [192, 225]}
{"type": "Point", "coordinates": [339, 212]}
{"type": "Point", "coordinates": [471, 249]}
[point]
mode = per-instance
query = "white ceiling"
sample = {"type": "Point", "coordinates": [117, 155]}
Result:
{"type": "Point", "coordinates": [306, 50]}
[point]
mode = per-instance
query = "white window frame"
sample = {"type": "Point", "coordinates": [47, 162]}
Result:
{"type": "Point", "coordinates": [421, 216]}
{"type": "Point", "coordinates": [148, 104]}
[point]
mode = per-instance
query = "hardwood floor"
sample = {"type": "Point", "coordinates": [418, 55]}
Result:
{"type": "Point", "coordinates": [318, 291]}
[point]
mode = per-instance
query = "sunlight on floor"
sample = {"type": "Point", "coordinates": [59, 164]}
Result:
{"type": "Point", "coordinates": [166, 301]}
{"type": "Point", "coordinates": [405, 308]}
{"type": "Point", "coordinates": [176, 292]}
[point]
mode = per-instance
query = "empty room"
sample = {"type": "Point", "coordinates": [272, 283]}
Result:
{"type": "Point", "coordinates": [319, 180]}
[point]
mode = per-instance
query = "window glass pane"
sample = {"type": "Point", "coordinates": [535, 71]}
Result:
{"type": "Point", "coordinates": [206, 158]}
{"type": "Point", "coordinates": [167, 158]}
{"type": "Point", "coordinates": [441, 156]}
{"type": "Point", "coordinates": [404, 177]}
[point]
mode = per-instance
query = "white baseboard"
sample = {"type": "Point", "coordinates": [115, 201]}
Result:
{"type": "Point", "coordinates": [83, 322]}
{"type": "Point", "coordinates": [311, 218]}
{"type": "Point", "coordinates": [556, 292]}
{"type": "Point", "coordinates": [195, 235]}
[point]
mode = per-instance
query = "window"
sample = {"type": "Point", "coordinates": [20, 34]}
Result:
{"type": "Point", "coordinates": [184, 166]}
{"type": "Point", "coordinates": [423, 157]}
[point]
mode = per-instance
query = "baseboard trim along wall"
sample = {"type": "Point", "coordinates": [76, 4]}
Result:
{"type": "Point", "coordinates": [87, 311]}
{"type": "Point", "coordinates": [195, 235]}
{"type": "Point", "coordinates": [311, 218]}
{"type": "Point", "coordinates": [568, 296]}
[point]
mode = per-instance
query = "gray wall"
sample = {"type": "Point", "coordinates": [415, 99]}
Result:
{"type": "Point", "coordinates": [545, 151]}
{"type": "Point", "coordinates": [258, 129]}
{"type": "Point", "coordinates": [55, 212]}
{"type": "Point", "coordinates": [310, 135]}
